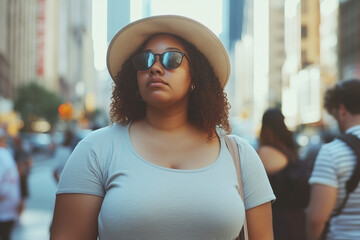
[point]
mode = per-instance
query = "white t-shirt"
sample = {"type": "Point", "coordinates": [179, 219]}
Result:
{"type": "Point", "coordinates": [9, 187]}
{"type": "Point", "coordinates": [146, 201]}
{"type": "Point", "coordinates": [333, 167]}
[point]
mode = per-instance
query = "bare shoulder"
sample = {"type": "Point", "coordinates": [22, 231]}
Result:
{"type": "Point", "coordinates": [268, 150]}
{"type": "Point", "coordinates": [273, 159]}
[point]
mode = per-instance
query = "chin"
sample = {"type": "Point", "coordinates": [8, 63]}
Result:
{"type": "Point", "coordinates": [157, 100]}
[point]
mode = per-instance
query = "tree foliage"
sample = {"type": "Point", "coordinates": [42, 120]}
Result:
{"type": "Point", "coordinates": [34, 102]}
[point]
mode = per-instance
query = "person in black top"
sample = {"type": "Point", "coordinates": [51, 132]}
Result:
{"type": "Point", "coordinates": [277, 150]}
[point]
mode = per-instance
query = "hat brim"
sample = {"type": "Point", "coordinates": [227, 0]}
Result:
{"type": "Point", "coordinates": [129, 39]}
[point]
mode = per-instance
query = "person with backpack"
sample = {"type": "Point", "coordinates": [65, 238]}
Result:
{"type": "Point", "coordinates": [334, 208]}
{"type": "Point", "coordinates": [278, 152]}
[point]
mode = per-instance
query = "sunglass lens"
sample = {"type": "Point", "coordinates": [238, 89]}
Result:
{"type": "Point", "coordinates": [143, 61]}
{"type": "Point", "coordinates": [171, 60]}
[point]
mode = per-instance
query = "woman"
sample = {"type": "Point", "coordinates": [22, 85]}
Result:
{"type": "Point", "coordinates": [162, 171]}
{"type": "Point", "coordinates": [277, 151]}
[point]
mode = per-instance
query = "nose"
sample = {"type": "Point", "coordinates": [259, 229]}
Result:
{"type": "Point", "coordinates": [157, 67]}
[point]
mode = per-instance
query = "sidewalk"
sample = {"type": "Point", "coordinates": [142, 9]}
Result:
{"type": "Point", "coordinates": [35, 221]}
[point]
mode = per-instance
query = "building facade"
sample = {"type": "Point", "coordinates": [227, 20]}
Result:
{"type": "Point", "coordinates": [5, 83]}
{"type": "Point", "coordinates": [276, 51]}
{"type": "Point", "coordinates": [349, 39]}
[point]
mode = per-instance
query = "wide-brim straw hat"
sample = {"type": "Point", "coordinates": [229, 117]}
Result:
{"type": "Point", "coordinates": [130, 38]}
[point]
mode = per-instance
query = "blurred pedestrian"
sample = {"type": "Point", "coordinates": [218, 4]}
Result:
{"type": "Point", "coordinates": [62, 154]}
{"type": "Point", "coordinates": [162, 171]}
{"type": "Point", "coordinates": [9, 189]}
{"type": "Point", "coordinates": [333, 167]}
{"type": "Point", "coordinates": [278, 150]}
{"type": "Point", "coordinates": [24, 163]}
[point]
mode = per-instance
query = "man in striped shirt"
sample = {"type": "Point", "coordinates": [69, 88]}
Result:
{"type": "Point", "coordinates": [333, 167]}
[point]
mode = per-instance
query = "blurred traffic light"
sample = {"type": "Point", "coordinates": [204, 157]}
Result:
{"type": "Point", "coordinates": [66, 111]}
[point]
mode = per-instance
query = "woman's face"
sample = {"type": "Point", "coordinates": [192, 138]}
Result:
{"type": "Point", "coordinates": [159, 86]}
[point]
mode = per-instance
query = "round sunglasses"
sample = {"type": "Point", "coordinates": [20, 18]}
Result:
{"type": "Point", "coordinates": [170, 60]}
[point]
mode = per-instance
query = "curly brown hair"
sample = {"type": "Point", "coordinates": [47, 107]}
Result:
{"type": "Point", "coordinates": [346, 92]}
{"type": "Point", "coordinates": [208, 106]}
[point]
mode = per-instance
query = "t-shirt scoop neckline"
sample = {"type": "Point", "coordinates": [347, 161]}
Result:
{"type": "Point", "coordinates": [218, 159]}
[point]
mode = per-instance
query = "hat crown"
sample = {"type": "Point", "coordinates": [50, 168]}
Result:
{"type": "Point", "coordinates": [130, 38]}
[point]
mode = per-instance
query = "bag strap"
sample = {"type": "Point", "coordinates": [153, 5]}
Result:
{"type": "Point", "coordinates": [354, 143]}
{"type": "Point", "coordinates": [234, 151]}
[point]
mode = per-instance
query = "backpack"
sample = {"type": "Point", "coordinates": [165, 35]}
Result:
{"type": "Point", "coordinates": [354, 143]}
{"type": "Point", "coordinates": [351, 184]}
{"type": "Point", "coordinates": [295, 182]}
{"type": "Point", "coordinates": [291, 185]}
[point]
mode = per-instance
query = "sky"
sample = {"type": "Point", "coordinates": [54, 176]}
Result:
{"type": "Point", "coordinates": [208, 12]}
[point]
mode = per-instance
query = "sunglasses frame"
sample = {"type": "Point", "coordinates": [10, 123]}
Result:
{"type": "Point", "coordinates": [161, 57]}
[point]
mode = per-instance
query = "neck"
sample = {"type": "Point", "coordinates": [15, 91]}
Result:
{"type": "Point", "coordinates": [167, 120]}
{"type": "Point", "coordinates": [352, 120]}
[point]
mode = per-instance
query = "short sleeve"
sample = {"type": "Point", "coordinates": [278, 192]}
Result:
{"type": "Point", "coordinates": [256, 186]}
{"type": "Point", "coordinates": [324, 171]}
{"type": "Point", "coordinates": [82, 172]}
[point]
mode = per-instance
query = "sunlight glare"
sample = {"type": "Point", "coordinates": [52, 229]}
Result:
{"type": "Point", "coordinates": [99, 33]}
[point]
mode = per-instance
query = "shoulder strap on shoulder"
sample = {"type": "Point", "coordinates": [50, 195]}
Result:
{"type": "Point", "coordinates": [234, 151]}
{"type": "Point", "coordinates": [354, 143]}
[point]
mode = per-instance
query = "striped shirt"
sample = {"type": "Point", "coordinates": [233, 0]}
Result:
{"type": "Point", "coordinates": [333, 167]}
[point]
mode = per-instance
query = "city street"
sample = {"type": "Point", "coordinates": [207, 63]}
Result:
{"type": "Point", "coordinates": [35, 221]}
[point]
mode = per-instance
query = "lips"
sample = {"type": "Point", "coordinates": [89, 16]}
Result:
{"type": "Point", "coordinates": [156, 82]}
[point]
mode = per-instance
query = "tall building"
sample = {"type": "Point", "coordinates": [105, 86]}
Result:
{"type": "Point", "coordinates": [47, 44]}
{"type": "Point", "coordinates": [5, 83]}
{"type": "Point", "coordinates": [309, 78]}
{"type": "Point", "coordinates": [28, 48]}
{"type": "Point", "coordinates": [310, 35]}
{"type": "Point", "coordinates": [258, 60]}
{"type": "Point", "coordinates": [118, 15]}
{"type": "Point", "coordinates": [76, 72]}
{"type": "Point", "coordinates": [349, 39]}
{"type": "Point", "coordinates": [329, 42]}
{"type": "Point", "coordinates": [231, 36]}
{"type": "Point", "coordinates": [242, 67]}
{"type": "Point", "coordinates": [18, 60]}
{"type": "Point", "coordinates": [276, 51]}
{"type": "Point", "coordinates": [292, 63]}
{"type": "Point", "coordinates": [18, 25]}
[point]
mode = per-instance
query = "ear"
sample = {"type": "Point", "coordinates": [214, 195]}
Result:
{"type": "Point", "coordinates": [342, 110]}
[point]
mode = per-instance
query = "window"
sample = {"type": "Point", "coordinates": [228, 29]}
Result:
{"type": "Point", "coordinates": [303, 31]}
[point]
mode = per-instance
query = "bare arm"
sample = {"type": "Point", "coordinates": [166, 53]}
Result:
{"type": "Point", "coordinates": [322, 202]}
{"type": "Point", "coordinates": [259, 220]}
{"type": "Point", "coordinates": [75, 217]}
{"type": "Point", "coordinates": [272, 159]}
